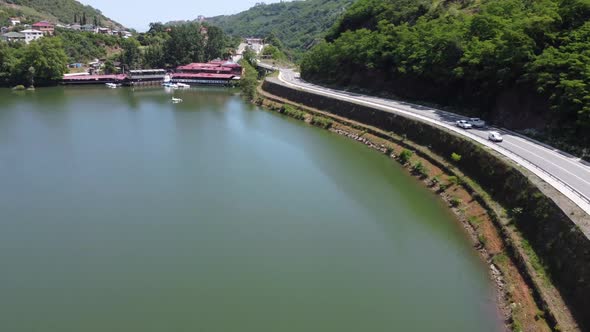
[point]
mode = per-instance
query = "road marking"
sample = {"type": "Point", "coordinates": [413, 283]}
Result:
{"type": "Point", "coordinates": [563, 169]}
{"type": "Point", "coordinates": [553, 153]}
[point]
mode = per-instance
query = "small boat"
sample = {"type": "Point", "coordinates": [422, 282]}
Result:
{"type": "Point", "coordinates": [182, 86]}
{"type": "Point", "coordinates": [112, 85]}
{"type": "Point", "coordinates": [170, 85]}
{"type": "Point", "coordinates": [176, 100]}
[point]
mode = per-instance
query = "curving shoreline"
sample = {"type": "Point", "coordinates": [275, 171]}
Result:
{"type": "Point", "coordinates": [524, 297]}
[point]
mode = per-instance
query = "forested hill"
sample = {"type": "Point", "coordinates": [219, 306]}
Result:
{"type": "Point", "coordinates": [298, 24]}
{"type": "Point", "coordinates": [523, 64]}
{"type": "Point", "coordinates": [62, 11]}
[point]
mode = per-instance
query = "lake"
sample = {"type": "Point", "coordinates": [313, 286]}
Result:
{"type": "Point", "coordinates": [124, 212]}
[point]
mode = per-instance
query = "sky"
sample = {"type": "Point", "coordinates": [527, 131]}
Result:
{"type": "Point", "coordinates": [139, 14]}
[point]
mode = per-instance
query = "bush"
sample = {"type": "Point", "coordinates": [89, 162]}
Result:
{"type": "Point", "coordinates": [405, 156]}
{"type": "Point", "coordinates": [456, 201]}
{"type": "Point", "coordinates": [435, 181]}
{"type": "Point", "coordinates": [293, 112]}
{"type": "Point", "coordinates": [321, 122]}
{"type": "Point", "coordinates": [419, 168]}
{"type": "Point", "coordinates": [455, 180]}
{"type": "Point", "coordinates": [456, 157]}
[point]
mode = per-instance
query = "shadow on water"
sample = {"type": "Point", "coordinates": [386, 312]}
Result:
{"type": "Point", "coordinates": [334, 156]}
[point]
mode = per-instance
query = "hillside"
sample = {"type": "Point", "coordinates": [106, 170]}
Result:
{"type": "Point", "coordinates": [298, 24]}
{"type": "Point", "coordinates": [521, 64]}
{"type": "Point", "coordinates": [62, 11]}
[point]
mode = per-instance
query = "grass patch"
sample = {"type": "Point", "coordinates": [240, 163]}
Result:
{"type": "Point", "coordinates": [474, 221]}
{"type": "Point", "coordinates": [322, 122]}
{"type": "Point", "coordinates": [456, 201]}
{"type": "Point", "coordinates": [293, 112]}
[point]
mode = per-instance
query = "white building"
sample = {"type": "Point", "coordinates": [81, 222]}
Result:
{"type": "Point", "coordinates": [31, 35]}
{"type": "Point", "coordinates": [14, 21]}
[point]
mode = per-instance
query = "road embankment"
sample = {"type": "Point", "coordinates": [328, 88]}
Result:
{"type": "Point", "coordinates": [538, 224]}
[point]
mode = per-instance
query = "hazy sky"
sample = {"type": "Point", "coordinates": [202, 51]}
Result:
{"type": "Point", "coordinates": [138, 14]}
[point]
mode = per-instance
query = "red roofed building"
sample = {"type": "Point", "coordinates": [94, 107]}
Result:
{"type": "Point", "coordinates": [212, 67]}
{"type": "Point", "coordinates": [45, 27]}
{"type": "Point", "coordinates": [213, 72]}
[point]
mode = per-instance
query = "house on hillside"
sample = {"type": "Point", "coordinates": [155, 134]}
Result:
{"type": "Point", "coordinates": [31, 35]}
{"type": "Point", "coordinates": [14, 21]}
{"type": "Point", "coordinates": [76, 27]}
{"type": "Point", "coordinates": [104, 31]}
{"type": "Point", "coordinates": [89, 28]}
{"type": "Point", "coordinates": [45, 27]}
{"type": "Point", "coordinates": [13, 37]}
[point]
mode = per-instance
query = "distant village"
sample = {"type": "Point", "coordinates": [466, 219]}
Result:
{"type": "Point", "coordinates": [15, 31]}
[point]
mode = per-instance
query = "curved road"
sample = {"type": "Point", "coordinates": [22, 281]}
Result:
{"type": "Point", "coordinates": [566, 173]}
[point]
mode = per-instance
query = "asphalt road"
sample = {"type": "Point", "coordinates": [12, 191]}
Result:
{"type": "Point", "coordinates": [566, 173]}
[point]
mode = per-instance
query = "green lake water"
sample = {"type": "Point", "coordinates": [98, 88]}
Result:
{"type": "Point", "coordinates": [121, 211]}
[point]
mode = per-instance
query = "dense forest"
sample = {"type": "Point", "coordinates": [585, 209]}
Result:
{"type": "Point", "coordinates": [298, 24]}
{"type": "Point", "coordinates": [62, 11]}
{"type": "Point", "coordinates": [520, 63]}
{"type": "Point", "coordinates": [171, 46]}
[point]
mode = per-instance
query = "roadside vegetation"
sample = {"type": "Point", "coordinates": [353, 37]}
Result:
{"type": "Point", "coordinates": [249, 80]}
{"type": "Point", "coordinates": [523, 64]}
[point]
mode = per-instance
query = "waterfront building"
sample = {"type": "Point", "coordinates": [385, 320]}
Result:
{"type": "Point", "coordinates": [94, 79]}
{"type": "Point", "coordinates": [147, 75]}
{"type": "Point", "coordinates": [215, 72]}
{"type": "Point", "coordinates": [45, 27]}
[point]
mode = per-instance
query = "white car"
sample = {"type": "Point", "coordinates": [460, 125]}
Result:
{"type": "Point", "coordinates": [477, 122]}
{"type": "Point", "coordinates": [463, 124]}
{"type": "Point", "coordinates": [495, 136]}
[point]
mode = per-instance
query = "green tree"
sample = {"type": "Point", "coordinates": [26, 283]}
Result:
{"type": "Point", "coordinates": [7, 61]}
{"type": "Point", "coordinates": [154, 57]}
{"type": "Point", "coordinates": [185, 45]}
{"type": "Point", "coordinates": [249, 81]}
{"type": "Point", "coordinates": [215, 43]}
{"type": "Point", "coordinates": [43, 61]}
{"type": "Point", "coordinates": [131, 55]}
{"type": "Point", "coordinates": [109, 67]}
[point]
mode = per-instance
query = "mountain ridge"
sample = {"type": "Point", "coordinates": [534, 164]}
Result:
{"type": "Point", "coordinates": [56, 11]}
{"type": "Point", "coordinates": [297, 24]}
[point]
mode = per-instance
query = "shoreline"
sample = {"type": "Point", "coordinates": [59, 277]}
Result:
{"type": "Point", "coordinates": [519, 301]}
